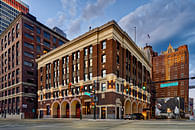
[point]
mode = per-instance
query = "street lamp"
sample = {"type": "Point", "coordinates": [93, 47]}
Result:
{"type": "Point", "coordinates": [81, 90]}
{"type": "Point", "coordinates": [94, 116]}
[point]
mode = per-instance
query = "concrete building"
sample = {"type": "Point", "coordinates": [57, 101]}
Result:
{"type": "Point", "coordinates": [9, 9]}
{"type": "Point", "coordinates": [172, 64]}
{"type": "Point", "coordinates": [106, 55]}
{"type": "Point", "coordinates": [24, 40]}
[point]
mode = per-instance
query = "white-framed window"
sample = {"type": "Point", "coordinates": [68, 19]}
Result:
{"type": "Point", "coordinates": [74, 56]}
{"type": "Point", "coordinates": [86, 63]}
{"type": "Point", "coordinates": [103, 73]}
{"type": "Point", "coordinates": [90, 87]}
{"type": "Point", "coordinates": [103, 86]}
{"type": "Point", "coordinates": [75, 80]}
{"type": "Point", "coordinates": [86, 77]}
{"type": "Point", "coordinates": [78, 66]}
{"type": "Point", "coordinates": [90, 76]}
{"type": "Point", "coordinates": [91, 63]}
{"type": "Point", "coordinates": [104, 45]}
{"type": "Point", "coordinates": [78, 55]}
{"type": "Point", "coordinates": [67, 69]}
{"type": "Point", "coordinates": [86, 51]}
{"type": "Point", "coordinates": [74, 68]}
{"type": "Point", "coordinates": [91, 50]}
{"type": "Point", "coordinates": [103, 58]}
{"type": "Point", "coordinates": [78, 78]}
{"type": "Point", "coordinates": [85, 88]}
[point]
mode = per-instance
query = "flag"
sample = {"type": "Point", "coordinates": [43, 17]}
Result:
{"type": "Point", "coordinates": [148, 36]}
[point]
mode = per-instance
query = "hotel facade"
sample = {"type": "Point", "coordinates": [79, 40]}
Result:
{"type": "Point", "coordinates": [99, 74]}
{"type": "Point", "coordinates": [21, 43]}
{"type": "Point", "coordinates": [172, 64]}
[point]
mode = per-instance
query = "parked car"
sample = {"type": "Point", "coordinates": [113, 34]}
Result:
{"type": "Point", "coordinates": [130, 117]}
{"type": "Point", "coordinates": [138, 116]}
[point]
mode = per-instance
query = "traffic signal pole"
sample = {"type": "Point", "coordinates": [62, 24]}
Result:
{"type": "Point", "coordinates": [94, 95]}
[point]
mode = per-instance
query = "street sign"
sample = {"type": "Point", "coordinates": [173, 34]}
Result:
{"type": "Point", "coordinates": [169, 84]}
{"type": "Point", "coordinates": [87, 93]}
{"type": "Point", "coordinates": [24, 105]}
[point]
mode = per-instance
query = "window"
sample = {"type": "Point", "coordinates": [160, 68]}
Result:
{"type": "Point", "coordinates": [47, 44]}
{"type": "Point", "coordinates": [117, 87]}
{"type": "Point", "coordinates": [78, 66]}
{"type": "Point", "coordinates": [29, 26]}
{"type": "Point", "coordinates": [38, 48]}
{"type": "Point", "coordinates": [46, 35]}
{"type": "Point", "coordinates": [38, 39]}
{"type": "Point", "coordinates": [54, 39]}
{"type": "Point", "coordinates": [61, 42]}
{"type": "Point", "coordinates": [103, 73]}
{"type": "Point", "coordinates": [74, 56]}
{"type": "Point", "coordinates": [86, 63]}
{"type": "Point", "coordinates": [90, 76]}
{"type": "Point", "coordinates": [91, 62]}
{"type": "Point", "coordinates": [103, 58]}
{"type": "Point", "coordinates": [103, 87]}
{"type": "Point", "coordinates": [104, 45]}
{"type": "Point", "coordinates": [28, 45]}
{"type": "Point", "coordinates": [27, 63]}
{"type": "Point", "coordinates": [86, 77]}
{"type": "Point", "coordinates": [28, 54]}
{"type": "Point", "coordinates": [78, 55]}
{"type": "Point", "coordinates": [38, 30]}
{"type": "Point", "coordinates": [117, 59]}
{"type": "Point", "coordinates": [17, 71]}
{"type": "Point", "coordinates": [86, 51]}
{"type": "Point", "coordinates": [90, 50]}
{"type": "Point", "coordinates": [29, 36]}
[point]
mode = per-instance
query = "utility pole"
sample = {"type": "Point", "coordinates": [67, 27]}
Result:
{"type": "Point", "coordinates": [94, 95]}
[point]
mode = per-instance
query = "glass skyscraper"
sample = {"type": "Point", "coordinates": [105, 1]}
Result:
{"type": "Point", "coordinates": [9, 9]}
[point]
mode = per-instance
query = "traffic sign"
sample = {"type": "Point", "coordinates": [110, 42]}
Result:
{"type": "Point", "coordinates": [87, 93]}
{"type": "Point", "coordinates": [169, 84]}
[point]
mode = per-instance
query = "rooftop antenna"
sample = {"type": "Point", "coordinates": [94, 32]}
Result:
{"type": "Point", "coordinates": [135, 35]}
{"type": "Point", "coordinates": [89, 28]}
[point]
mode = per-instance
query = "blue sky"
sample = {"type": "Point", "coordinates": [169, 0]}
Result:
{"type": "Point", "coordinates": [166, 21]}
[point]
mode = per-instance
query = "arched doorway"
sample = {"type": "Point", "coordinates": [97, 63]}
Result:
{"type": "Point", "coordinates": [134, 107]}
{"type": "Point", "coordinates": [56, 110]}
{"type": "Point", "coordinates": [140, 110]}
{"type": "Point", "coordinates": [75, 109]}
{"type": "Point", "coordinates": [127, 107]}
{"type": "Point", "coordinates": [65, 110]}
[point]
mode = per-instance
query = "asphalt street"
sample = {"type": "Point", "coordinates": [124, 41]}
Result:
{"type": "Point", "coordinates": [62, 124]}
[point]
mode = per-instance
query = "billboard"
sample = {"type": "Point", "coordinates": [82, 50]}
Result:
{"type": "Point", "coordinates": [170, 107]}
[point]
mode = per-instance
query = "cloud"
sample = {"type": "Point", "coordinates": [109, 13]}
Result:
{"type": "Point", "coordinates": [57, 21]}
{"type": "Point", "coordinates": [70, 6]}
{"type": "Point", "coordinates": [96, 9]}
{"type": "Point", "coordinates": [161, 19]}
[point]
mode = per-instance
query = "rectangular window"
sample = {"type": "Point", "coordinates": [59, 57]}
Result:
{"type": "Point", "coordinates": [86, 51]}
{"type": "Point", "coordinates": [27, 63]}
{"type": "Point", "coordinates": [28, 54]}
{"type": "Point", "coordinates": [38, 30]}
{"type": "Point", "coordinates": [29, 26]}
{"type": "Point", "coordinates": [38, 48]}
{"type": "Point", "coordinates": [61, 42]}
{"type": "Point", "coordinates": [117, 59]}
{"type": "Point", "coordinates": [28, 45]}
{"type": "Point", "coordinates": [90, 76]}
{"type": "Point", "coordinates": [86, 63]}
{"type": "Point", "coordinates": [54, 39]}
{"type": "Point", "coordinates": [103, 58]}
{"type": "Point", "coordinates": [47, 44]}
{"type": "Point", "coordinates": [90, 50]}
{"type": "Point", "coordinates": [91, 62]}
{"type": "Point", "coordinates": [103, 87]}
{"type": "Point", "coordinates": [29, 36]}
{"type": "Point", "coordinates": [104, 45]}
{"type": "Point", "coordinates": [38, 39]}
{"type": "Point", "coordinates": [46, 35]}
{"type": "Point", "coordinates": [78, 55]}
{"type": "Point", "coordinates": [103, 73]}
{"type": "Point", "coordinates": [86, 77]}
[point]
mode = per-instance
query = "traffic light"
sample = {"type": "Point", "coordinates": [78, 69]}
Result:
{"type": "Point", "coordinates": [81, 89]}
{"type": "Point", "coordinates": [144, 86]}
{"type": "Point", "coordinates": [69, 86]}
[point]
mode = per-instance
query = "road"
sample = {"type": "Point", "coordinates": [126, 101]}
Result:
{"type": "Point", "coordinates": [62, 124]}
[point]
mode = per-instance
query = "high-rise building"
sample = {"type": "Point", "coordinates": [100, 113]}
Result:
{"type": "Point", "coordinates": [24, 40]}
{"type": "Point", "coordinates": [101, 71]}
{"type": "Point", "coordinates": [9, 9]}
{"type": "Point", "coordinates": [172, 64]}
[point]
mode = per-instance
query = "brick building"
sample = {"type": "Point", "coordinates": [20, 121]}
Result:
{"type": "Point", "coordinates": [172, 64]}
{"type": "Point", "coordinates": [9, 9]}
{"type": "Point", "coordinates": [21, 43]}
{"type": "Point", "coordinates": [106, 55]}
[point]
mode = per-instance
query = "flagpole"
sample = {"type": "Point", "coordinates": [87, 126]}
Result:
{"type": "Point", "coordinates": [135, 35]}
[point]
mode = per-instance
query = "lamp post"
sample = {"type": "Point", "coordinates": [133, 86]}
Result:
{"type": "Point", "coordinates": [94, 116]}
{"type": "Point", "coordinates": [122, 99]}
{"type": "Point", "coordinates": [81, 90]}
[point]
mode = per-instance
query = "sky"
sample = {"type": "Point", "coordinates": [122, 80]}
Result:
{"type": "Point", "coordinates": [166, 21]}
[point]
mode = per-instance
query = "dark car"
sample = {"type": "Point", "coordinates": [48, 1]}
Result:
{"type": "Point", "coordinates": [138, 116]}
{"type": "Point", "coordinates": [130, 117]}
